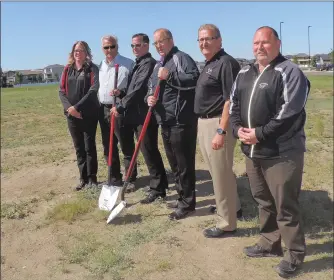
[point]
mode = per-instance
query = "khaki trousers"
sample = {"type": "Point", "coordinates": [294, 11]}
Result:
{"type": "Point", "coordinates": [220, 163]}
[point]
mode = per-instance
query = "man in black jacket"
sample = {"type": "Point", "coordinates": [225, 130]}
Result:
{"type": "Point", "coordinates": [267, 113]}
{"type": "Point", "coordinates": [134, 108]}
{"type": "Point", "coordinates": [174, 110]}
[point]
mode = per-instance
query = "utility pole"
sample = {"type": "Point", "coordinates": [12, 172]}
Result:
{"type": "Point", "coordinates": [309, 46]}
{"type": "Point", "coordinates": [280, 35]}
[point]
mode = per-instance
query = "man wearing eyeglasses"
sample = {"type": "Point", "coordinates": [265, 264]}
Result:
{"type": "Point", "coordinates": [134, 108]}
{"type": "Point", "coordinates": [214, 133]}
{"type": "Point", "coordinates": [105, 94]}
{"type": "Point", "coordinates": [174, 110]}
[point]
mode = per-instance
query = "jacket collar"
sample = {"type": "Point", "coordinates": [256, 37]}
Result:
{"type": "Point", "coordinates": [170, 54]}
{"type": "Point", "coordinates": [278, 59]}
{"type": "Point", "coordinates": [139, 59]}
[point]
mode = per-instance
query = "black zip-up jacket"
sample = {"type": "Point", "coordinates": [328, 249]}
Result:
{"type": "Point", "coordinates": [272, 102]}
{"type": "Point", "coordinates": [79, 89]}
{"type": "Point", "coordinates": [132, 103]}
{"type": "Point", "coordinates": [175, 105]}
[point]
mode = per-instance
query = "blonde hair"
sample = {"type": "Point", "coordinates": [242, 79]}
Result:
{"type": "Point", "coordinates": [89, 56]}
{"type": "Point", "coordinates": [210, 27]}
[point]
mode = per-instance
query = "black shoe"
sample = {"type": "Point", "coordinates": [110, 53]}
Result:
{"type": "Point", "coordinates": [116, 182]}
{"type": "Point", "coordinates": [92, 182]}
{"type": "Point", "coordinates": [81, 185]}
{"type": "Point", "coordinates": [257, 251]}
{"type": "Point", "coordinates": [179, 213]}
{"type": "Point", "coordinates": [239, 214]}
{"type": "Point", "coordinates": [172, 205]}
{"type": "Point", "coordinates": [217, 232]}
{"type": "Point", "coordinates": [151, 197]}
{"type": "Point", "coordinates": [286, 269]}
{"type": "Point", "coordinates": [147, 189]}
{"type": "Point", "coordinates": [130, 187]}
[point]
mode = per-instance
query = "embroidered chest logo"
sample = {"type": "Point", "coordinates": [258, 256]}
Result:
{"type": "Point", "coordinates": [263, 85]}
{"type": "Point", "coordinates": [209, 71]}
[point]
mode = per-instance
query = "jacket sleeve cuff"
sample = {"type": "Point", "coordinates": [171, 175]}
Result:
{"type": "Point", "coordinates": [120, 109]}
{"type": "Point", "coordinates": [122, 93]}
{"type": "Point", "coordinates": [235, 130]}
{"type": "Point", "coordinates": [77, 107]}
{"type": "Point", "coordinates": [259, 133]}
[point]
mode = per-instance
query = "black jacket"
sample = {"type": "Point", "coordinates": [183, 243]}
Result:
{"type": "Point", "coordinates": [176, 98]}
{"type": "Point", "coordinates": [273, 103]}
{"type": "Point", "coordinates": [79, 89]}
{"type": "Point", "coordinates": [132, 104]}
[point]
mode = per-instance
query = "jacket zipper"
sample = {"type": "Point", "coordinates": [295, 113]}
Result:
{"type": "Point", "coordinates": [249, 105]}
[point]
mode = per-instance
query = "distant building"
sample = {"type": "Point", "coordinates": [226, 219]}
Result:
{"type": "Point", "coordinates": [52, 73]}
{"type": "Point", "coordinates": [323, 59]}
{"type": "Point", "coordinates": [30, 76]}
{"type": "Point", "coordinates": [10, 76]}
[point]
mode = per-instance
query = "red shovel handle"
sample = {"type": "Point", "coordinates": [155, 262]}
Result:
{"type": "Point", "coordinates": [112, 118]}
{"type": "Point", "coordinates": [140, 139]}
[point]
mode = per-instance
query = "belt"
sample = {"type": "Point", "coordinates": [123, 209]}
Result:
{"type": "Point", "coordinates": [210, 116]}
{"type": "Point", "coordinates": [109, 106]}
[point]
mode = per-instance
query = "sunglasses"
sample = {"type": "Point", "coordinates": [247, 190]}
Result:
{"type": "Point", "coordinates": [136, 45]}
{"type": "Point", "coordinates": [109, 47]}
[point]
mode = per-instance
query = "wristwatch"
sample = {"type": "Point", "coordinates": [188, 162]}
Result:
{"type": "Point", "coordinates": [221, 131]}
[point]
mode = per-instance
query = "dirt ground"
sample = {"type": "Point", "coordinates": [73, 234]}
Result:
{"type": "Point", "coordinates": [31, 247]}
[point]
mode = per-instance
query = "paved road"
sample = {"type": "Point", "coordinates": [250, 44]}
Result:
{"type": "Point", "coordinates": [319, 73]}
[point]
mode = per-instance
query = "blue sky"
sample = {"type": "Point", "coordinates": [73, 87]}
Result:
{"type": "Point", "coordinates": [36, 34]}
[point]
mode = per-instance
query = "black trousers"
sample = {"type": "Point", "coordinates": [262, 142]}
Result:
{"type": "Point", "coordinates": [151, 153]}
{"type": "Point", "coordinates": [275, 185]}
{"type": "Point", "coordinates": [122, 136]}
{"type": "Point", "coordinates": [83, 132]}
{"type": "Point", "coordinates": [180, 146]}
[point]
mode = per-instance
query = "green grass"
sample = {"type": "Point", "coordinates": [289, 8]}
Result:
{"type": "Point", "coordinates": [323, 83]}
{"type": "Point", "coordinates": [34, 133]}
{"type": "Point", "coordinates": [18, 210]}
{"type": "Point", "coordinates": [73, 209]}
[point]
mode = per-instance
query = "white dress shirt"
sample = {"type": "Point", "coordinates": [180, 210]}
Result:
{"type": "Point", "coordinates": [107, 74]}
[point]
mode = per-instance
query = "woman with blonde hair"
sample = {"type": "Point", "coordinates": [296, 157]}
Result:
{"type": "Point", "coordinates": [78, 93]}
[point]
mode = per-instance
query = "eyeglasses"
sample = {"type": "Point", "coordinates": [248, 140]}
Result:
{"type": "Point", "coordinates": [206, 39]}
{"type": "Point", "coordinates": [161, 42]}
{"type": "Point", "coordinates": [109, 47]}
{"type": "Point", "coordinates": [136, 45]}
{"type": "Point", "coordinates": [79, 51]}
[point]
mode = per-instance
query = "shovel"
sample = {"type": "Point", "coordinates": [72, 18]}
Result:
{"type": "Point", "coordinates": [120, 207]}
{"type": "Point", "coordinates": [109, 193]}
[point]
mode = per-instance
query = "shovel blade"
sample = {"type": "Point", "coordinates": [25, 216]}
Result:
{"type": "Point", "coordinates": [108, 197]}
{"type": "Point", "coordinates": [118, 209]}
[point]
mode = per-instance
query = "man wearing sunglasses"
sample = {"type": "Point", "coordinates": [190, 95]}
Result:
{"type": "Point", "coordinates": [134, 108]}
{"type": "Point", "coordinates": [105, 94]}
{"type": "Point", "coordinates": [175, 112]}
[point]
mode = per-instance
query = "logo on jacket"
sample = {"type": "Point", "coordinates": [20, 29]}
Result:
{"type": "Point", "coordinates": [263, 85]}
{"type": "Point", "coordinates": [209, 71]}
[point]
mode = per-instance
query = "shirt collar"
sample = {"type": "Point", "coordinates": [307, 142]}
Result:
{"type": "Point", "coordinates": [113, 62]}
{"type": "Point", "coordinates": [220, 53]}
